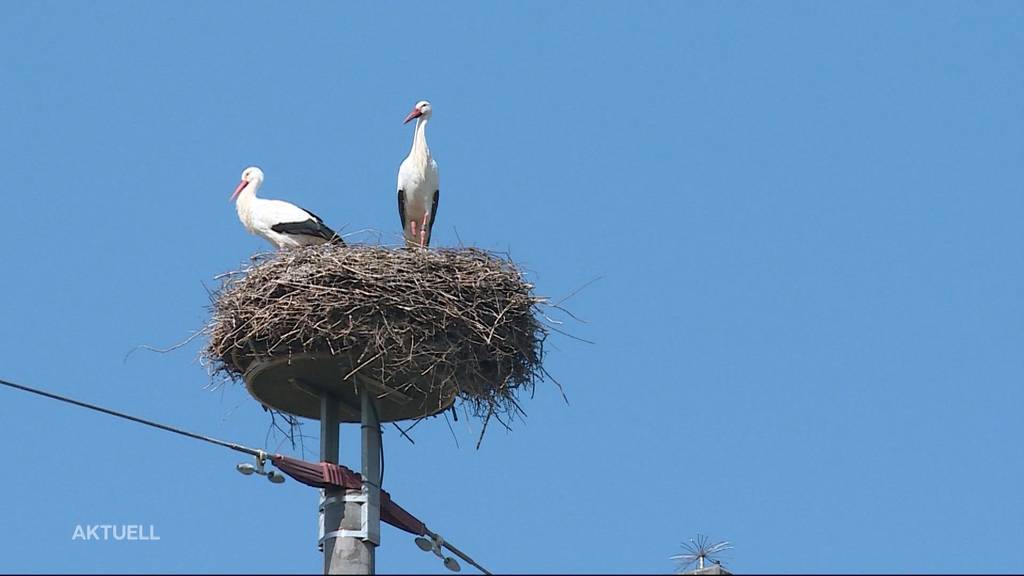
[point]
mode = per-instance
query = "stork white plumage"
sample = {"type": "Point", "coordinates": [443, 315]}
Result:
{"type": "Point", "coordinates": [283, 224]}
{"type": "Point", "coordinates": [419, 185]}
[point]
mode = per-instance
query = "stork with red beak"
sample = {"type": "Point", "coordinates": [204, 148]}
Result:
{"type": "Point", "coordinates": [283, 224]}
{"type": "Point", "coordinates": [418, 183]}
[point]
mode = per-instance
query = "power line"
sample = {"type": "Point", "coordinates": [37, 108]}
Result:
{"type": "Point", "coordinates": [261, 455]}
{"type": "Point", "coordinates": [186, 433]}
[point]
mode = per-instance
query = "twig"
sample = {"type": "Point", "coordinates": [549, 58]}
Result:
{"type": "Point", "coordinates": [576, 291]}
{"type": "Point", "coordinates": [194, 335]}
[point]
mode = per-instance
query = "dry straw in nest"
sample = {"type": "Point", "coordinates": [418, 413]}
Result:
{"type": "Point", "coordinates": [463, 319]}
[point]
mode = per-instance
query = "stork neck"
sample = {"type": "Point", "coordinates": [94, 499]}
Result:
{"type": "Point", "coordinates": [249, 192]}
{"type": "Point", "coordinates": [247, 195]}
{"type": "Point", "coordinates": [419, 139]}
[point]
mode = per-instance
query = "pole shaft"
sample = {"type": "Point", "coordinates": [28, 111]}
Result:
{"type": "Point", "coordinates": [330, 498]}
{"type": "Point", "coordinates": [329, 429]}
{"type": "Point", "coordinates": [342, 554]}
{"type": "Point", "coordinates": [371, 470]}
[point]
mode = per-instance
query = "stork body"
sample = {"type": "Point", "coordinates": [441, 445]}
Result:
{"type": "Point", "coordinates": [419, 185]}
{"type": "Point", "coordinates": [283, 224]}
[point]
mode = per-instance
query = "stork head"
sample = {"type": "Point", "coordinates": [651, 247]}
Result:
{"type": "Point", "coordinates": [422, 108]}
{"type": "Point", "coordinates": [251, 175]}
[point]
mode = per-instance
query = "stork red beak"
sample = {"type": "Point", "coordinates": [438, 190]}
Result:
{"type": "Point", "coordinates": [416, 113]}
{"type": "Point", "coordinates": [241, 186]}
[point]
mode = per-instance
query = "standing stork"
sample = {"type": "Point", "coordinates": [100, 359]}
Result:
{"type": "Point", "coordinates": [418, 183]}
{"type": "Point", "coordinates": [283, 224]}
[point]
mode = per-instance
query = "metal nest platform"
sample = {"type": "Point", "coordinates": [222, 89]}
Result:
{"type": "Point", "coordinates": [294, 385]}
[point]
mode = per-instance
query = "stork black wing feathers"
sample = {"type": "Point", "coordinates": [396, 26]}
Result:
{"type": "Point", "coordinates": [401, 207]}
{"type": "Point", "coordinates": [315, 217]}
{"type": "Point", "coordinates": [312, 227]}
{"type": "Point", "coordinates": [433, 212]}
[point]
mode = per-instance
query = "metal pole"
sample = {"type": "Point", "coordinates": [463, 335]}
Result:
{"type": "Point", "coordinates": [371, 472]}
{"type": "Point", "coordinates": [330, 498]}
{"type": "Point", "coordinates": [344, 553]}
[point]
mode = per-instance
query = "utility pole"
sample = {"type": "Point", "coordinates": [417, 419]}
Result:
{"type": "Point", "coordinates": [350, 519]}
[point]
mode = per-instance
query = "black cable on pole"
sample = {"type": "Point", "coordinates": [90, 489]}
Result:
{"type": "Point", "coordinates": [380, 434]}
{"type": "Point", "coordinates": [231, 445]}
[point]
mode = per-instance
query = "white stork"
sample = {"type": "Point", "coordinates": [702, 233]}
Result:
{"type": "Point", "coordinates": [283, 224]}
{"type": "Point", "coordinates": [418, 183]}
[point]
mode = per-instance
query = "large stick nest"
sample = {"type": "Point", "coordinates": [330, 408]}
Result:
{"type": "Point", "coordinates": [464, 319]}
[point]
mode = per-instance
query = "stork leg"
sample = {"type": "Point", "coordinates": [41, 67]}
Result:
{"type": "Point", "coordinates": [423, 229]}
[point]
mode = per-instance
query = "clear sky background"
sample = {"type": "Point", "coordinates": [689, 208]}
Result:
{"type": "Point", "coordinates": [809, 331]}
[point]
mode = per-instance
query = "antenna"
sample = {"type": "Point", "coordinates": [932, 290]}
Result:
{"type": "Point", "coordinates": [699, 550]}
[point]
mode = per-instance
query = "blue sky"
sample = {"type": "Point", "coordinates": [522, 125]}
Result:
{"type": "Point", "coordinates": [809, 334]}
